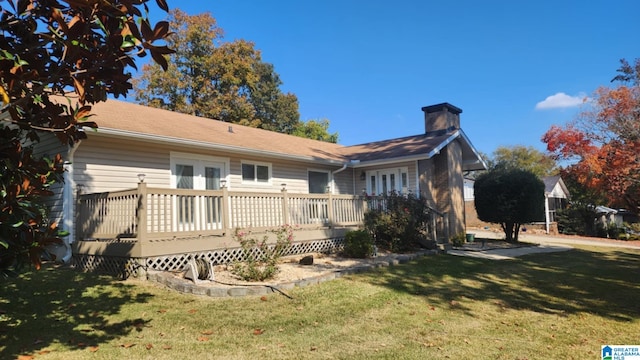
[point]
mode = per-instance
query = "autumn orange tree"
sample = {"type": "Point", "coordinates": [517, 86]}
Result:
{"type": "Point", "coordinates": [56, 59]}
{"type": "Point", "coordinates": [603, 143]}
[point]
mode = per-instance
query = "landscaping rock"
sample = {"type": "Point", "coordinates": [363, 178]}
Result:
{"type": "Point", "coordinates": [307, 260]}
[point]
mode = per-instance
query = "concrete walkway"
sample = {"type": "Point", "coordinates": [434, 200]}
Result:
{"type": "Point", "coordinates": [553, 240]}
{"type": "Point", "coordinates": [540, 244]}
{"type": "Point", "coordinates": [507, 254]}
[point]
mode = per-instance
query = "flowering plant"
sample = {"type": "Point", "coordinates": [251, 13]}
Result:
{"type": "Point", "coordinates": [261, 258]}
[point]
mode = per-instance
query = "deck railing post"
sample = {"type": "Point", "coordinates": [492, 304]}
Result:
{"type": "Point", "coordinates": [226, 209]}
{"type": "Point", "coordinates": [365, 207]}
{"type": "Point", "coordinates": [330, 216]}
{"type": "Point", "coordinates": [141, 213]}
{"type": "Point", "coordinates": [285, 205]}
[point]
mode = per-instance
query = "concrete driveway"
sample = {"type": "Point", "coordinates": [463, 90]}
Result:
{"type": "Point", "coordinates": [540, 244]}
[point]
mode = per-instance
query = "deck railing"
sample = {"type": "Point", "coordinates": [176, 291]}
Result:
{"type": "Point", "coordinates": [148, 213]}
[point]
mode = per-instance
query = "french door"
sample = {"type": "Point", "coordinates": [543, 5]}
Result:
{"type": "Point", "coordinates": [386, 180]}
{"type": "Point", "coordinates": [197, 212]}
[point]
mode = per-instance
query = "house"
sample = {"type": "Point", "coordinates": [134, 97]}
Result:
{"type": "Point", "coordinates": [152, 188]}
{"type": "Point", "coordinates": [556, 197]}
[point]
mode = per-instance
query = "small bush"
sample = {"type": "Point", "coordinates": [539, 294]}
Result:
{"type": "Point", "coordinates": [261, 259]}
{"type": "Point", "coordinates": [398, 222]}
{"type": "Point", "coordinates": [613, 231]}
{"type": "Point", "coordinates": [458, 240]}
{"type": "Point", "coordinates": [358, 244]}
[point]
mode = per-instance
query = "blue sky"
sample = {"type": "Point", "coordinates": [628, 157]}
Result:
{"type": "Point", "coordinates": [513, 67]}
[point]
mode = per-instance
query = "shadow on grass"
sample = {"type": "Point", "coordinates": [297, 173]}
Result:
{"type": "Point", "coordinates": [56, 305]}
{"type": "Point", "coordinates": [604, 283]}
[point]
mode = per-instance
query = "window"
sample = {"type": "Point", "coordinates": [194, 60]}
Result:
{"type": "Point", "coordinates": [318, 182]}
{"type": "Point", "coordinates": [256, 173]}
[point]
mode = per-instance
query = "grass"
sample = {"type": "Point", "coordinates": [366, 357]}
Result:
{"type": "Point", "coordinates": [560, 305]}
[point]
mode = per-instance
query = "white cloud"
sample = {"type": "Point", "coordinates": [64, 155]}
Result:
{"type": "Point", "coordinates": [561, 100]}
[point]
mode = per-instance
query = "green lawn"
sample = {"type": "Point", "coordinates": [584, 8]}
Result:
{"type": "Point", "coordinates": [560, 305]}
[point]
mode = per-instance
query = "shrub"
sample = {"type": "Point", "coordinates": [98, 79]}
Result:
{"type": "Point", "coordinates": [397, 222]}
{"type": "Point", "coordinates": [358, 244]}
{"type": "Point", "coordinates": [577, 219]}
{"type": "Point", "coordinates": [458, 240]}
{"type": "Point", "coordinates": [509, 197]}
{"type": "Point", "coordinates": [261, 259]}
{"type": "Point", "coordinates": [613, 231]}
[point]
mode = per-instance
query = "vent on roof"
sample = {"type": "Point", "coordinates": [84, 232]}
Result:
{"type": "Point", "coordinates": [231, 129]}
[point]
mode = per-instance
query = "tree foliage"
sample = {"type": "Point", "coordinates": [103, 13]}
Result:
{"type": "Point", "coordinates": [315, 129]}
{"type": "Point", "coordinates": [509, 197]}
{"type": "Point", "coordinates": [220, 80]}
{"type": "Point", "coordinates": [524, 158]}
{"type": "Point", "coordinates": [48, 50]}
{"type": "Point", "coordinates": [603, 143]}
{"type": "Point", "coordinates": [580, 215]}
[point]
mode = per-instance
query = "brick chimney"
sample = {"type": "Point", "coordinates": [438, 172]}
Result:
{"type": "Point", "coordinates": [441, 117]}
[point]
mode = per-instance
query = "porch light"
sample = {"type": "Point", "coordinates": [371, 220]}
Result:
{"type": "Point", "coordinates": [363, 175]}
{"type": "Point", "coordinates": [79, 188]}
{"type": "Point", "coordinates": [223, 183]}
{"type": "Point", "coordinates": [141, 177]}
{"type": "Point", "coordinates": [284, 186]}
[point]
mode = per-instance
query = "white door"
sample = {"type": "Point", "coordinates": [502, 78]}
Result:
{"type": "Point", "coordinates": [386, 180]}
{"type": "Point", "coordinates": [201, 212]}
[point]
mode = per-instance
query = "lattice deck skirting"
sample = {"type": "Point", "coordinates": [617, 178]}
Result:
{"type": "Point", "coordinates": [124, 267]}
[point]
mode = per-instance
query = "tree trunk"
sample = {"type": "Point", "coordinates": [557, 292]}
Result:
{"type": "Point", "coordinates": [516, 232]}
{"type": "Point", "coordinates": [507, 227]}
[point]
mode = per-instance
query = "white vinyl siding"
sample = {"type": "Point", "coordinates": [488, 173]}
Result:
{"type": "Point", "coordinates": [110, 164]}
{"type": "Point", "coordinates": [49, 146]}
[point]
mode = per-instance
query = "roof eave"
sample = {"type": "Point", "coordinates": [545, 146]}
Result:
{"type": "Point", "coordinates": [212, 146]}
{"type": "Point", "coordinates": [364, 163]}
{"type": "Point", "coordinates": [473, 149]}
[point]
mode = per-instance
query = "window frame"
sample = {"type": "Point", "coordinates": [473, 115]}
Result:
{"type": "Point", "coordinates": [255, 180]}
{"type": "Point", "coordinates": [330, 184]}
{"type": "Point", "coordinates": [199, 163]}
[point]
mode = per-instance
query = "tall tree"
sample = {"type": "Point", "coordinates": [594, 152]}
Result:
{"type": "Point", "coordinates": [509, 197]}
{"type": "Point", "coordinates": [49, 49]}
{"type": "Point", "coordinates": [315, 129]}
{"type": "Point", "coordinates": [524, 158]}
{"type": "Point", "coordinates": [603, 143]}
{"type": "Point", "coordinates": [225, 81]}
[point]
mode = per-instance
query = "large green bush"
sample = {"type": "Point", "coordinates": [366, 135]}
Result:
{"type": "Point", "coordinates": [509, 197]}
{"type": "Point", "coordinates": [577, 219]}
{"type": "Point", "coordinates": [398, 222]}
{"type": "Point", "coordinates": [358, 244]}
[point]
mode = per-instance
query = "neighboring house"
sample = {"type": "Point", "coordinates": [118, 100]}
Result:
{"type": "Point", "coordinates": [152, 188]}
{"type": "Point", "coordinates": [606, 216]}
{"type": "Point", "coordinates": [556, 197]}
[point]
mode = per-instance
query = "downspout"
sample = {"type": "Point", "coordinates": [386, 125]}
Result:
{"type": "Point", "coordinates": [343, 168]}
{"type": "Point", "coordinates": [68, 204]}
